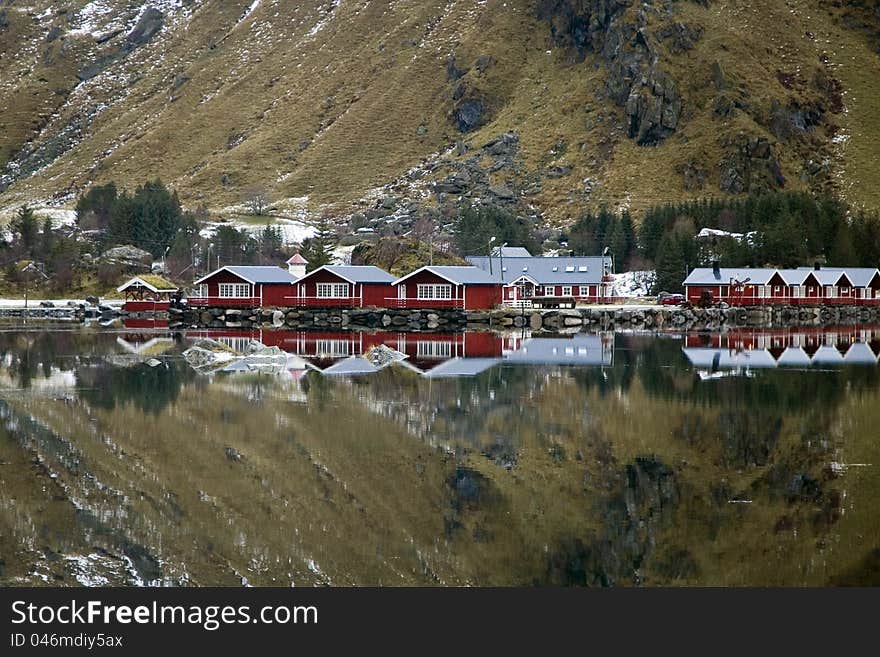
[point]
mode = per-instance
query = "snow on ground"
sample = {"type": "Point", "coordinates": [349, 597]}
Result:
{"type": "Point", "coordinates": [342, 255]}
{"type": "Point", "coordinates": [292, 231]}
{"type": "Point", "coordinates": [6, 304]}
{"type": "Point", "coordinates": [706, 233]}
{"type": "Point", "coordinates": [634, 283]}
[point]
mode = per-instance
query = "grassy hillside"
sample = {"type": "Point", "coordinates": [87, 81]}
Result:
{"type": "Point", "coordinates": [331, 100]}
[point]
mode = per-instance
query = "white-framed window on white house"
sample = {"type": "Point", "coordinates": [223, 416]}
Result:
{"type": "Point", "coordinates": [429, 291]}
{"type": "Point", "coordinates": [584, 291]}
{"type": "Point", "coordinates": [332, 290]}
{"type": "Point", "coordinates": [549, 290]}
{"type": "Point", "coordinates": [235, 290]}
{"type": "Point", "coordinates": [566, 290]}
{"type": "Point", "coordinates": [434, 349]}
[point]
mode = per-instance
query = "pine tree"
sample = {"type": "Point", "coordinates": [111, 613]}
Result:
{"type": "Point", "coordinates": [24, 228]}
{"type": "Point", "coordinates": [670, 265]}
{"type": "Point", "coordinates": [318, 250]}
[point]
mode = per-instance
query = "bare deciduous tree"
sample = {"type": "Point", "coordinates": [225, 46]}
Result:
{"type": "Point", "coordinates": [257, 201]}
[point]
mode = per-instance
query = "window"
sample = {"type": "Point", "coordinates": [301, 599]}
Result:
{"type": "Point", "coordinates": [430, 291]}
{"type": "Point", "coordinates": [549, 291]}
{"type": "Point", "coordinates": [431, 349]}
{"type": "Point", "coordinates": [569, 269]}
{"type": "Point", "coordinates": [203, 290]}
{"type": "Point", "coordinates": [332, 348]}
{"type": "Point", "coordinates": [584, 291]}
{"type": "Point", "coordinates": [235, 290]}
{"type": "Point", "coordinates": [566, 290]}
{"type": "Point", "coordinates": [332, 290]}
{"type": "Point", "coordinates": [582, 268]}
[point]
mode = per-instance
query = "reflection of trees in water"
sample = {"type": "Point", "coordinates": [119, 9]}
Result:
{"type": "Point", "coordinates": [33, 354]}
{"type": "Point", "coordinates": [149, 388]}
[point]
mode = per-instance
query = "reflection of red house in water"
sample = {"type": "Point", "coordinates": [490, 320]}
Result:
{"type": "Point", "coordinates": [323, 349]}
{"type": "Point", "coordinates": [802, 346]}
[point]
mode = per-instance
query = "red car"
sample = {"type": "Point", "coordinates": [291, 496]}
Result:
{"type": "Point", "coordinates": [672, 299]}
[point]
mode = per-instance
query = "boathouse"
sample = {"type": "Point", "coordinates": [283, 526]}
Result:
{"type": "Point", "coordinates": [447, 286]}
{"type": "Point", "coordinates": [147, 293]}
{"type": "Point", "coordinates": [244, 286]}
{"type": "Point", "coordinates": [347, 286]}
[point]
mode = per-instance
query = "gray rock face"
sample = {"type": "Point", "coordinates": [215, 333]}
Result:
{"type": "Point", "coordinates": [620, 35]}
{"type": "Point", "coordinates": [749, 165]}
{"type": "Point", "coordinates": [147, 27]}
{"type": "Point", "coordinates": [468, 114]}
{"type": "Point", "coordinates": [653, 108]}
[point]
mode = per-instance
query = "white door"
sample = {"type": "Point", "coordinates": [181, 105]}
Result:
{"type": "Point", "coordinates": [401, 295]}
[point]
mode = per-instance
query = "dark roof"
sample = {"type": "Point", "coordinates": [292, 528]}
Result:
{"type": "Point", "coordinates": [458, 274]}
{"type": "Point", "coordinates": [255, 274]}
{"type": "Point", "coordinates": [572, 270]}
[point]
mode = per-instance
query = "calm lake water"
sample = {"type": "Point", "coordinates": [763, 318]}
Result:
{"type": "Point", "coordinates": [481, 459]}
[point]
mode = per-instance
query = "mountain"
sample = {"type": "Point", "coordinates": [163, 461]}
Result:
{"type": "Point", "coordinates": [401, 107]}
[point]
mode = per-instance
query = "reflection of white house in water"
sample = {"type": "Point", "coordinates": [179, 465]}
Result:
{"type": "Point", "coordinates": [579, 349]}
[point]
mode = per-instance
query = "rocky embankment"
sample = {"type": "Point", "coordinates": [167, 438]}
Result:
{"type": "Point", "coordinates": [604, 318]}
{"type": "Point", "coordinates": [69, 311]}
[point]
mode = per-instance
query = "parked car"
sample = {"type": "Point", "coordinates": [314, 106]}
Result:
{"type": "Point", "coordinates": [671, 299]}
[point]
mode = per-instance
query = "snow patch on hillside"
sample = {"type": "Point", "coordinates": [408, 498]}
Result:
{"type": "Point", "coordinates": [330, 11]}
{"type": "Point", "coordinates": [631, 284]}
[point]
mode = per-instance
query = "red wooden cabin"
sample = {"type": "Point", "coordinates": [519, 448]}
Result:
{"type": "Point", "coordinates": [244, 287]}
{"type": "Point", "coordinates": [147, 293]}
{"type": "Point", "coordinates": [435, 287]}
{"type": "Point", "coordinates": [346, 286]}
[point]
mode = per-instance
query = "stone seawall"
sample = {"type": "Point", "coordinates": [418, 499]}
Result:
{"type": "Point", "coordinates": [604, 318]}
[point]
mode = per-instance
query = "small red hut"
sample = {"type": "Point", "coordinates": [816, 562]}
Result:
{"type": "Point", "coordinates": [147, 293]}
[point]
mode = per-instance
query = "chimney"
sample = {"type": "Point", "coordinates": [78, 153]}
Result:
{"type": "Point", "coordinates": [296, 266]}
{"type": "Point", "coordinates": [716, 267]}
{"type": "Point", "coordinates": [817, 265]}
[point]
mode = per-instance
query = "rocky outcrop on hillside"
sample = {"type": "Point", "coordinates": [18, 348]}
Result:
{"type": "Point", "coordinates": [620, 34]}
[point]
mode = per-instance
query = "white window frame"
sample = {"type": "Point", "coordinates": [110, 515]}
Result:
{"type": "Point", "coordinates": [583, 290]}
{"type": "Point", "coordinates": [434, 349]}
{"type": "Point", "coordinates": [234, 290]}
{"type": "Point", "coordinates": [332, 348]}
{"type": "Point", "coordinates": [331, 290]}
{"type": "Point", "coordinates": [570, 291]}
{"type": "Point", "coordinates": [434, 291]}
{"type": "Point", "coordinates": [203, 291]}
{"type": "Point", "coordinates": [549, 290]}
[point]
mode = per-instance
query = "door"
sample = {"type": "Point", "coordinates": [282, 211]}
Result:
{"type": "Point", "coordinates": [401, 295]}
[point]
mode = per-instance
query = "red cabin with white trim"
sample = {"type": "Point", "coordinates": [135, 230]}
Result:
{"type": "Point", "coordinates": [244, 287]}
{"type": "Point", "coordinates": [346, 286]}
{"type": "Point", "coordinates": [436, 287]}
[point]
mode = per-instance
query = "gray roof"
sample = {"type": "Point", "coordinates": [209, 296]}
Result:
{"type": "Point", "coordinates": [457, 367]}
{"type": "Point", "coordinates": [256, 274]}
{"type": "Point", "coordinates": [724, 275]}
{"type": "Point", "coordinates": [573, 270]}
{"type": "Point", "coordinates": [358, 273]}
{"type": "Point", "coordinates": [458, 274]}
{"type": "Point", "coordinates": [858, 276]}
{"type": "Point", "coordinates": [511, 252]}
